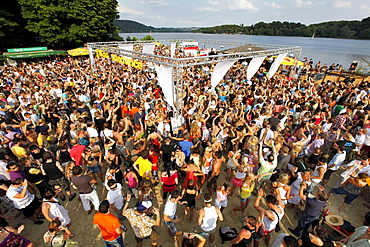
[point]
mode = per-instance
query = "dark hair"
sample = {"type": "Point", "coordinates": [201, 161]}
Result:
{"type": "Point", "coordinates": [290, 241]}
{"type": "Point", "coordinates": [271, 199]}
{"type": "Point", "coordinates": [77, 170]}
{"type": "Point", "coordinates": [144, 154]}
{"type": "Point", "coordinates": [49, 194]}
{"type": "Point", "coordinates": [33, 147]}
{"type": "Point", "coordinates": [191, 184]}
{"type": "Point", "coordinates": [111, 182]}
{"type": "Point", "coordinates": [218, 154]}
{"type": "Point", "coordinates": [175, 194]}
{"type": "Point", "coordinates": [322, 159]}
{"type": "Point", "coordinates": [16, 140]}
{"type": "Point", "coordinates": [322, 196]}
{"type": "Point", "coordinates": [270, 158]}
{"type": "Point", "coordinates": [207, 197]}
{"type": "Point", "coordinates": [104, 207]}
{"type": "Point", "coordinates": [10, 164]}
{"type": "Point", "coordinates": [54, 225]}
{"type": "Point", "coordinates": [18, 181]}
{"type": "Point", "coordinates": [47, 155]}
{"type": "Point", "coordinates": [321, 232]}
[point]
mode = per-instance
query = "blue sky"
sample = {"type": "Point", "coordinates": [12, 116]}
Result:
{"type": "Point", "coordinates": [192, 13]}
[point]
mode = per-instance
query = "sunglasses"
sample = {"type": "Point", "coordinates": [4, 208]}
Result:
{"type": "Point", "coordinates": [114, 187]}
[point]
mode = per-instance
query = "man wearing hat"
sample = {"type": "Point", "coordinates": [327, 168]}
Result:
{"type": "Point", "coordinates": [312, 210]}
{"type": "Point", "coordinates": [141, 223]}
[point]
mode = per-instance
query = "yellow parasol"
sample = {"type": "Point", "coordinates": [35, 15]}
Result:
{"type": "Point", "coordinates": [290, 61]}
{"type": "Point", "coordinates": [78, 52]}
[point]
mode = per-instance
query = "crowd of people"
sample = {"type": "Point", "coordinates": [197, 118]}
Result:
{"type": "Point", "coordinates": [106, 134]}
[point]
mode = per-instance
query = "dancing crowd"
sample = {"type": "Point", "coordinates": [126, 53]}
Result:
{"type": "Point", "coordinates": [107, 134]}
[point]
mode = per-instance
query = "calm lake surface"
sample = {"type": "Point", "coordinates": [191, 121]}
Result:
{"type": "Point", "coordinates": [326, 50]}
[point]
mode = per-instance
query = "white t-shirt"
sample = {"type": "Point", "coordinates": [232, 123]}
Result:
{"type": "Point", "coordinates": [92, 132]}
{"type": "Point", "coordinates": [19, 203]}
{"type": "Point", "coordinates": [115, 196]}
{"type": "Point", "coordinates": [170, 208]}
{"type": "Point", "coordinates": [4, 175]}
{"type": "Point", "coordinates": [337, 160]}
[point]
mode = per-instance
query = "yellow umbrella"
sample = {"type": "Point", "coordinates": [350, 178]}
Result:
{"type": "Point", "coordinates": [78, 52]}
{"type": "Point", "coordinates": [291, 61]}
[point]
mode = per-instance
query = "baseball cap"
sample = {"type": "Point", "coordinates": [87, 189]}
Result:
{"type": "Point", "coordinates": [144, 205]}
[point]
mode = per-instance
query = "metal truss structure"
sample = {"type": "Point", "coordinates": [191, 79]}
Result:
{"type": "Point", "coordinates": [269, 50]}
{"type": "Point", "coordinates": [180, 63]}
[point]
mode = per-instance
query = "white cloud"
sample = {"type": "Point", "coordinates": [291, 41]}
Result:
{"type": "Point", "coordinates": [300, 3]}
{"type": "Point", "coordinates": [365, 7]}
{"type": "Point", "coordinates": [341, 4]}
{"type": "Point", "coordinates": [242, 4]}
{"type": "Point", "coordinates": [156, 2]}
{"type": "Point", "coordinates": [123, 9]}
{"type": "Point", "coordinates": [207, 9]}
{"type": "Point", "coordinates": [214, 2]}
{"type": "Point", "coordinates": [274, 5]}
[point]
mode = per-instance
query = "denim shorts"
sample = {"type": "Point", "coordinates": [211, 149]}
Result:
{"type": "Point", "coordinates": [94, 169]}
{"type": "Point", "coordinates": [244, 200]}
{"type": "Point", "coordinates": [172, 225]}
{"type": "Point", "coordinates": [349, 196]}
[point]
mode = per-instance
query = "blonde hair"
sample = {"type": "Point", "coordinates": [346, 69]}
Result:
{"type": "Point", "coordinates": [249, 179]}
{"type": "Point", "coordinates": [284, 178]}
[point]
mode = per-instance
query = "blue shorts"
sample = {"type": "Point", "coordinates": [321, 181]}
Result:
{"type": "Point", "coordinates": [94, 169]}
{"type": "Point", "coordinates": [172, 226]}
{"type": "Point", "coordinates": [244, 200]}
{"type": "Point", "coordinates": [349, 196]}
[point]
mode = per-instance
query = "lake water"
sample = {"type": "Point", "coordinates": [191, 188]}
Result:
{"type": "Point", "coordinates": [326, 50]}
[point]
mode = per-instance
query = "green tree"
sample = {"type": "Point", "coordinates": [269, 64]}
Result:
{"type": "Point", "coordinates": [345, 32]}
{"type": "Point", "coordinates": [129, 38]}
{"type": "Point", "coordinates": [12, 33]}
{"type": "Point", "coordinates": [68, 23]}
{"type": "Point", "coordinates": [147, 37]}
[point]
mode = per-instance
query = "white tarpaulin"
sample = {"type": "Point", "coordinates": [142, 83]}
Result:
{"type": "Point", "coordinates": [173, 49]}
{"type": "Point", "coordinates": [253, 66]}
{"type": "Point", "coordinates": [165, 80]}
{"type": "Point", "coordinates": [148, 48]}
{"type": "Point", "coordinates": [220, 71]}
{"type": "Point", "coordinates": [275, 65]}
{"type": "Point", "coordinates": [128, 47]}
{"type": "Point", "coordinates": [92, 60]}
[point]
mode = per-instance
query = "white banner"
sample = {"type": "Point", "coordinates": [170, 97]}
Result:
{"type": "Point", "coordinates": [165, 80]}
{"type": "Point", "coordinates": [92, 60]}
{"type": "Point", "coordinates": [129, 47]}
{"type": "Point", "coordinates": [220, 71]}
{"type": "Point", "coordinates": [275, 66]}
{"type": "Point", "coordinates": [148, 48]}
{"type": "Point", "coordinates": [253, 66]}
{"type": "Point", "coordinates": [173, 49]}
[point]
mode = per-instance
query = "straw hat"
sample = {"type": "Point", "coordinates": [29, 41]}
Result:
{"type": "Point", "coordinates": [253, 140]}
{"type": "Point", "coordinates": [208, 149]}
{"type": "Point", "coordinates": [334, 220]}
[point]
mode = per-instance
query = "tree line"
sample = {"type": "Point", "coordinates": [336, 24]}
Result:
{"type": "Point", "coordinates": [331, 29]}
{"type": "Point", "coordinates": [56, 24]}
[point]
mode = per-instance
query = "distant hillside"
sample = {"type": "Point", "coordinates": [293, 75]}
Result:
{"type": "Point", "coordinates": [128, 26]}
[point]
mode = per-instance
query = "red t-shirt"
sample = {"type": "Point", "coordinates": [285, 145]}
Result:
{"type": "Point", "coordinates": [76, 152]}
{"type": "Point", "coordinates": [108, 223]}
{"type": "Point", "coordinates": [154, 159]}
